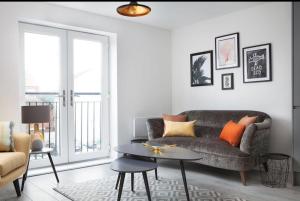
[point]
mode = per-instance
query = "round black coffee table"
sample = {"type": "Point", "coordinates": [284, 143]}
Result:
{"type": "Point", "coordinates": [170, 153]}
{"type": "Point", "coordinates": [125, 165]}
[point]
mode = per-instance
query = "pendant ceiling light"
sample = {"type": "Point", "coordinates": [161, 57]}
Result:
{"type": "Point", "coordinates": [133, 9]}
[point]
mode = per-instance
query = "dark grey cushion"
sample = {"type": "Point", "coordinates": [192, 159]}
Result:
{"type": "Point", "coordinates": [216, 119]}
{"type": "Point", "coordinates": [229, 163]}
{"type": "Point", "coordinates": [203, 144]}
{"type": "Point", "coordinates": [155, 127]}
{"type": "Point", "coordinates": [215, 152]}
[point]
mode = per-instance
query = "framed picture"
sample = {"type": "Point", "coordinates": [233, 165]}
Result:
{"type": "Point", "coordinates": [227, 81]}
{"type": "Point", "coordinates": [257, 63]}
{"type": "Point", "coordinates": [202, 68]}
{"type": "Point", "coordinates": [227, 50]}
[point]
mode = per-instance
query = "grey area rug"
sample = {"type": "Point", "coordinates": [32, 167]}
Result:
{"type": "Point", "coordinates": [161, 190]}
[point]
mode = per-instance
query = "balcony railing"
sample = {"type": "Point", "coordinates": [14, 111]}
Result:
{"type": "Point", "coordinates": [87, 121]}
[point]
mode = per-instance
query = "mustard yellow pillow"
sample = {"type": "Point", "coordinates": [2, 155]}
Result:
{"type": "Point", "coordinates": [174, 128]}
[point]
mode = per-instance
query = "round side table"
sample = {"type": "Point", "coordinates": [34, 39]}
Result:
{"type": "Point", "coordinates": [125, 165]}
{"type": "Point", "coordinates": [144, 140]}
{"type": "Point", "coordinates": [43, 151]}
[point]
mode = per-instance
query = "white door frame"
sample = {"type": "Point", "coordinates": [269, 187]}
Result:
{"type": "Point", "coordinates": [62, 34]}
{"type": "Point", "coordinates": [104, 129]}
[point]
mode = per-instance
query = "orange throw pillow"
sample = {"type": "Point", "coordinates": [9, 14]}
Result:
{"type": "Point", "coordinates": [178, 118]}
{"type": "Point", "coordinates": [232, 133]}
{"type": "Point", "coordinates": [246, 120]}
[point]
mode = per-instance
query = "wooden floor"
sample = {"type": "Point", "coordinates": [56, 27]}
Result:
{"type": "Point", "coordinates": [39, 188]}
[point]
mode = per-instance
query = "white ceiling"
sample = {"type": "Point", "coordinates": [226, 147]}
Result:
{"type": "Point", "coordinates": [168, 15]}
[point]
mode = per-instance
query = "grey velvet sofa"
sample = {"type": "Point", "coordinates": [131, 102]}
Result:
{"type": "Point", "coordinates": [214, 151]}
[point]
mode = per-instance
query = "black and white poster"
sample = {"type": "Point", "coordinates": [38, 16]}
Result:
{"type": "Point", "coordinates": [202, 68]}
{"type": "Point", "coordinates": [227, 81]}
{"type": "Point", "coordinates": [257, 63]}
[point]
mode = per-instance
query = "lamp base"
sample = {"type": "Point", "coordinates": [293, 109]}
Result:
{"type": "Point", "coordinates": [37, 139]}
{"type": "Point", "coordinates": [37, 145]}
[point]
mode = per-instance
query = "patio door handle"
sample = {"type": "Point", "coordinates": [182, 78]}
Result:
{"type": "Point", "coordinates": [63, 96]}
{"type": "Point", "coordinates": [71, 97]}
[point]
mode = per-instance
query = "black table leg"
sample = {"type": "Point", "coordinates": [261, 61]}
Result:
{"type": "Point", "coordinates": [53, 167]}
{"type": "Point", "coordinates": [132, 182]}
{"type": "Point", "coordinates": [147, 185]}
{"type": "Point", "coordinates": [25, 175]}
{"type": "Point", "coordinates": [118, 180]}
{"type": "Point", "coordinates": [121, 185]}
{"type": "Point", "coordinates": [184, 181]}
{"type": "Point", "coordinates": [17, 187]}
{"type": "Point", "coordinates": [156, 177]}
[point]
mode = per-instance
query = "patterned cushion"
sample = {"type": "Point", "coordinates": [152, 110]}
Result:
{"type": "Point", "coordinates": [6, 139]}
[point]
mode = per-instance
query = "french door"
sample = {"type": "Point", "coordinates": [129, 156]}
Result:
{"type": "Point", "coordinates": [68, 70]}
{"type": "Point", "coordinates": [88, 92]}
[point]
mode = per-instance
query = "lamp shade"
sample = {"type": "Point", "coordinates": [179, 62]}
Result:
{"type": "Point", "coordinates": [133, 9]}
{"type": "Point", "coordinates": [35, 114]}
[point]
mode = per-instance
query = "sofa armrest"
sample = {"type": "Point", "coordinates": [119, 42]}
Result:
{"type": "Point", "coordinates": [247, 138]}
{"type": "Point", "coordinates": [255, 139]}
{"type": "Point", "coordinates": [22, 143]}
{"type": "Point", "coordinates": [155, 128]}
{"type": "Point", "coordinates": [264, 125]}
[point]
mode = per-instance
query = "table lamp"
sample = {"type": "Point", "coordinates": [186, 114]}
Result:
{"type": "Point", "coordinates": [35, 115]}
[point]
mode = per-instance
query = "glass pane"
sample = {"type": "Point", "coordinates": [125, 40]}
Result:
{"type": "Point", "coordinates": [42, 62]}
{"type": "Point", "coordinates": [87, 60]}
{"type": "Point", "coordinates": [42, 75]}
{"type": "Point", "coordinates": [87, 63]}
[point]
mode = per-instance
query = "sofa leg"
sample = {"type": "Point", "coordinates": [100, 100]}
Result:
{"type": "Point", "coordinates": [17, 187]}
{"type": "Point", "coordinates": [243, 177]}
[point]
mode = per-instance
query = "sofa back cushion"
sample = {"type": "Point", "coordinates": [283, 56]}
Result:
{"type": "Point", "coordinates": [210, 122]}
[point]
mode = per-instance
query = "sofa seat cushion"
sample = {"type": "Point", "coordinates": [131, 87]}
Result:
{"type": "Point", "coordinates": [214, 152]}
{"type": "Point", "coordinates": [10, 161]}
{"type": "Point", "coordinates": [203, 144]}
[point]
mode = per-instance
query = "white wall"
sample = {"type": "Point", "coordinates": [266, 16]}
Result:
{"type": "Point", "coordinates": [267, 23]}
{"type": "Point", "coordinates": [143, 61]}
{"type": "Point", "coordinates": [143, 73]}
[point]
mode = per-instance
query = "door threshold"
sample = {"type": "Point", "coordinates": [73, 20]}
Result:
{"type": "Point", "coordinates": [66, 167]}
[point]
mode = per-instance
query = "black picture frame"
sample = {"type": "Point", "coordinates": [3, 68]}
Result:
{"type": "Point", "coordinates": [231, 81]}
{"type": "Point", "coordinates": [250, 73]}
{"type": "Point", "coordinates": [199, 76]}
{"type": "Point", "coordinates": [235, 35]}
